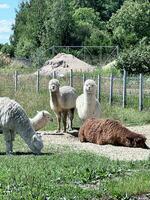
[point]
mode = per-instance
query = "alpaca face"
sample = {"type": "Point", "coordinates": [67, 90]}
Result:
{"type": "Point", "coordinates": [54, 85]}
{"type": "Point", "coordinates": [139, 142]}
{"type": "Point", "coordinates": [90, 86]}
{"type": "Point", "coordinates": [36, 144]}
{"type": "Point", "coordinates": [47, 117]}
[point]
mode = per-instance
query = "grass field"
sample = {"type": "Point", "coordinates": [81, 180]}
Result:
{"type": "Point", "coordinates": [68, 175]}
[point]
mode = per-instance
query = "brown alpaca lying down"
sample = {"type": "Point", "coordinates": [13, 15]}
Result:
{"type": "Point", "coordinates": [107, 131]}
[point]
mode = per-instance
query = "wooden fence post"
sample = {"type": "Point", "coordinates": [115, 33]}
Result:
{"type": "Point", "coordinates": [124, 89]}
{"type": "Point", "coordinates": [71, 78]}
{"type": "Point", "coordinates": [38, 82]}
{"type": "Point", "coordinates": [111, 90]}
{"type": "Point", "coordinates": [140, 92]}
{"type": "Point", "coordinates": [16, 81]}
{"type": "Point", "coordinates": [99, 88]}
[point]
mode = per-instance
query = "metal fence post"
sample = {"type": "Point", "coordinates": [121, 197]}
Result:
{"type": "Point", "coordinates": [16, 81]}
{"type": "Point", "coordinates": [38, 82]}
{"type": "Point", "coordinates": [83, 78]}
{"type": "Point", "coordinates": [71, 78]}
{"type": "Point", "coordinates": [111, 90]}
{"type": "Point", "coordinates": [140, 92]}
{"type": "Point", "coordinates": [99, 88]}
{"type": "Point", "coordinates": [54, 74]}
{"type": "Point", "coordinates": [124, 89]}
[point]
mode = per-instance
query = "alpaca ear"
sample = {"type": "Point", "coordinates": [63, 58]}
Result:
{"type": "Point", "coordinates": [37, 111]}
{"type": "Point", "coordinates": [43, 113]}
{"type": "Point", "coordinates": [34, 138]}
{"type": "Point", "coordinates": [131, 141]}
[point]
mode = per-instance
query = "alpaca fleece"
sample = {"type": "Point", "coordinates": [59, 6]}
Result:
{"type": "Point", "coordinates": [87, 104]}
{"type": "Point", "coordinates": [40, 120]}
{"type": "Point", "coordinates": [62, 102]}
{"type": "Point", "coordinates": [13, 119]}
{"type": "Point", "coordinates": [107, 131]}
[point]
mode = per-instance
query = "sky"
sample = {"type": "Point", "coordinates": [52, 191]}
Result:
{"type": "Point", "coordinates": [7, 18]}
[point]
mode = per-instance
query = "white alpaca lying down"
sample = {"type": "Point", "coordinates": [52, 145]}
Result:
{"type": "Point", "coordinates": [41, 119]}
{"type": "Point", "coordinates": [14, 119]}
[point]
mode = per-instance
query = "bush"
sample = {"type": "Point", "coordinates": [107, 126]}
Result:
{"type": "Point", "coordinates": [7, 49]}
{"type": "Point", "coordinates": [39, 57]}
{"type": "Point", "coordinates": [4, 60]}
{"type": "Point", "coordinates": [135, 60]}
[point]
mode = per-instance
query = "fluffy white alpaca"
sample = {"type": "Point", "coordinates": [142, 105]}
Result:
{"type": "Point", "coordinates": [41, 119]}
{"type": "Point", "coordinates": [62, 102]}
{"type": "Point", "coordinates": [14, 119]}
{"type": "Point", "coordinates": [87, 105]}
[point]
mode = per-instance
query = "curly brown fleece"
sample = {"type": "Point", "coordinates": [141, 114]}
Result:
{"type": "Point", "coordinates": [107, 131]}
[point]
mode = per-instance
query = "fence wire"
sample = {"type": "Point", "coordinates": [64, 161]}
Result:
{"type": "Point", "coordinates": [110, 92]}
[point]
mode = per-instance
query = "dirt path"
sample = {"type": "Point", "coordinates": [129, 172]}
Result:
{"type": "Point", "coordinates": [113, 152]}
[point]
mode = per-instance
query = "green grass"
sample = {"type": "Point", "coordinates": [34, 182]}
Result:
{"type": "Point", "coordinates": [63, 174]}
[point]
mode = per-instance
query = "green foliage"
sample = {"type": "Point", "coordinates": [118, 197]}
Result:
{"type": "Point", "coordinates": [7, 49]}
{"type": "Point", "coordinates": [39, 57]}
{"type": "Point", "coordinates": [135, 60]}
{"type": "Point", "coordinates": [99, 38]}
{"type": "Point", "coordinates": [24, 48]}
{"type": "Point", "coordinates": [86, 20]}
{"type": "Point", "coordinates": [130, 23]}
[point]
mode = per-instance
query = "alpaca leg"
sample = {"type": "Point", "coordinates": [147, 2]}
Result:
{"type": "Point", "coordinates": [9, 138]}
{"type": "Point", "coordinates": [58, 115]}
{"type": "Point", "coordinates": [70, 118]}
{"type": "Point", "coordinates": [64, 115]}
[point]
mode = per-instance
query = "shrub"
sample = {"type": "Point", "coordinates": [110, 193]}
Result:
{"type": "Point", "coordinates": [4, 60]}
{"type": "Point", "coordinates": [7, 49]}
{"type": "Point", "coordinates": [135, 60]}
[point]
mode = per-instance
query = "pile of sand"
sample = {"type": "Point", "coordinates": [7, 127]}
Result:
{"type": "Point", "coordinates": [62, 63]}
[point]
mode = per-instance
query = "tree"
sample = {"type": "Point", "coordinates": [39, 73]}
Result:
{"type": "Point", "coordinates": [86, 20]}
{"type": "Point", "coordinates": [130, 23]}
{"type": "Point", "coordinates": [135, 60]}
{"type": "Point", "coordinates": [105, 8]}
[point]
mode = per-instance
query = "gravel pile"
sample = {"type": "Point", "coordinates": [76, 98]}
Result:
{"type": "Point", "coordinates": [62, 63]}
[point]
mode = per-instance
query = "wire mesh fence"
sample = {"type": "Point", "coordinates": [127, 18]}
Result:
{"type": "Point", "coordinates": [134, 92]}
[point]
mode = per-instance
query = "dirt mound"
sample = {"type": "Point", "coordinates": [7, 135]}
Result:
{"type": "Point", "coordinates": [62, 63]}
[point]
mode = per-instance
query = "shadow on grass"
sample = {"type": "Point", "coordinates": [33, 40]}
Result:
{"type": "Point", "coordinates": [53, 134]}
{"type": "Point", "coordinates": [74, 132]}
{"type": "Point", "coordinates": [19, 153]}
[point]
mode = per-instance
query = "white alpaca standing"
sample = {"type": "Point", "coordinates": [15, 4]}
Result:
{"type": "Point", "coordinates": [14, 119]}
{"type": "Point", "coordinates": [62, 102]}
{"type": "Point", "coordinates": [87, 104]}
{"type": "Point", "coordinates": [41, 119]}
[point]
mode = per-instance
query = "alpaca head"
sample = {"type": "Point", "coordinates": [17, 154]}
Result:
{"type": "Point", "coordinates": [54, 85]}
{"type": "Point", "coordinates": [90, 86]}
{"type": "Point", "coordinates": [36, 144]}
{"type": "Point", "coordinates": [138, 141]}
{"type": "Point", "coordinates": [45, 115]}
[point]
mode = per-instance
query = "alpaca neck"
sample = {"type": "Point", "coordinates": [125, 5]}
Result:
{"type": "Point", "coordinates": [90, 101]}
{"type": "Point", "coordinates": [55, 97]}
{"type": "Point", "coordinates": [26, 134]}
